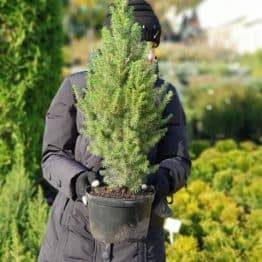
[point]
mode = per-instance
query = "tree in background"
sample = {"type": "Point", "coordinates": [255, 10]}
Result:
{"type": "Point", "coordinates": [30, 60]}
{"type": "Point", "coordinates": [83, 15]}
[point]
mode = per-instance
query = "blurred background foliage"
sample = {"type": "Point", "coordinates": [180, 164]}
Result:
{"type": "Point", "coordinates": [43, 41]}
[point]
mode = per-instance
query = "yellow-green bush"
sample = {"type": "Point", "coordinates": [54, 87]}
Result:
{"type": "Point", "coordinates": [197, 146]}
{"type": "Point", "coordinates": [221, 208]}
{"type": "Point", "coordinates": [254, 61]}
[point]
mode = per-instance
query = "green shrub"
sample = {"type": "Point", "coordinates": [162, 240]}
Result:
{"type": "Point", "coordinates": [84, 17]}
{"type": "Point", "coordinates": [223, 180]}
{"type": "Point", "coordinates": [30, 41]}
{"type": "Point", "coordinates": [221, 207]}
{"type": "Point", "coordinates": [197, 146]}
{"type": "Point", "coordinates": [225, 145]}
{"type": "Point", "coordinates": [248, 146]}
{"type": "Point", "coordinates": [183, 245]}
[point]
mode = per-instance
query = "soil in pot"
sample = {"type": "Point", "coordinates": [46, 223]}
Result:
{"type": "Point", "coordinates": [120, 193]}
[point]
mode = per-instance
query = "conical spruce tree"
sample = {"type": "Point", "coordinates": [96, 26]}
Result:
{"type": "Point", "coordinates": [122, 109]}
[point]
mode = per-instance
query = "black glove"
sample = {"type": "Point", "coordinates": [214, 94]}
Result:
{"type": "Point", "coordinates": [161, 181]}
{"type": "Point", "coordinates": [85, 179]}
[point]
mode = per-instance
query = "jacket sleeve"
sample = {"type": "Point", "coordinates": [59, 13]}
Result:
{"type": "Point", "coordinates": [173, 147]}
{"type": "Point", "coordinates": [58, 164]}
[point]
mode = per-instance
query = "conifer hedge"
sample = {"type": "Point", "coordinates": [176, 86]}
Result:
{"type": "Point", "coordinates": [30, 62]}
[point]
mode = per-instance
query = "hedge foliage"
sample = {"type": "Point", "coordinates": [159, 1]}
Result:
{"type": "Point", "coordinates": [226, 110]}
{"type": "Point", "coordinates": [253, 61]}
{"type": "Point", "coordinates": [221, 209]}
{"type": "Point", "coordinates": [30, 59]}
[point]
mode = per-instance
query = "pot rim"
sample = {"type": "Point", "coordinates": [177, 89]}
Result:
{"type": "Point", "coordinates": [120, 201]}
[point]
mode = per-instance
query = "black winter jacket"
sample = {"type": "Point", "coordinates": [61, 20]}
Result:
{"type": "Point", "coordinates": [65, 155]}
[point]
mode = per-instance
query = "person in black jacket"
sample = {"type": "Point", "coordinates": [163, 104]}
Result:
{"type": "Point", "coordinates": [69, 167]}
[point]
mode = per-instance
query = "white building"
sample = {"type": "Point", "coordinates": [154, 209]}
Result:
{"type": "Point", "coordinates": [233, 24]}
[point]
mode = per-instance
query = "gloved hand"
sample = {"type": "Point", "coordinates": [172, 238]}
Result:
{"type": "Point", "coordinates": [84, 180]}
{"type": "Point", "coordinates": [161, 181]}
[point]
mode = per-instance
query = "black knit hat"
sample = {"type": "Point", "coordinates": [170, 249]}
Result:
{"type": "Point", "coordinates": [145, 16]}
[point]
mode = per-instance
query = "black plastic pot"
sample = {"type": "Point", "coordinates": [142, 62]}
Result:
{"type": "Point", "coordinates": [115, 220]}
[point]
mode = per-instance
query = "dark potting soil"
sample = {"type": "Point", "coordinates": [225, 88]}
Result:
{"type": "Point", "coordinates": [122, 193]}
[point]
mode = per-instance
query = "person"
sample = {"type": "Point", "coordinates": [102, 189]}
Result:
{"type": "Point", "coordinates": [70, 168]}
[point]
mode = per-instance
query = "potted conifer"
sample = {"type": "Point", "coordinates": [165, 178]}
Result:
{"type": "Point", "coordinates": [123, 119]}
